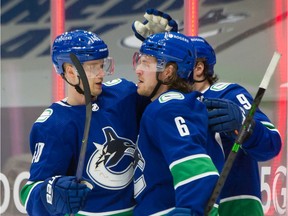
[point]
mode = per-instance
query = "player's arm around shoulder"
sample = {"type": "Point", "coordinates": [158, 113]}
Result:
{"type": "Point", "coordinates": [120, 84]}
{"type": "Point", "coordinates": [118, 91]}
{"type": "Point", "coordinates": [264, 141]}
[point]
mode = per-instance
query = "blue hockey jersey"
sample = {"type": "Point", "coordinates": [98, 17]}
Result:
{"type": "Point", "coordinates": [55, 143]}
{"type": "Point", "coordinates": [172, 167]}
{"type": "Point", "coordinates": [241, 193]}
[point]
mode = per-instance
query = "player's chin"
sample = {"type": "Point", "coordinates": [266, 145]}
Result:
{"type": "Point", "coordinates": [139, 88]}
{"type": "Point", "coordinates": [141, 91]}
{"type": "Point", "coordinates": [96, 91]}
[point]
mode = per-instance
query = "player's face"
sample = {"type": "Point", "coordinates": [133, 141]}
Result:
{"type": "Point", "coordinates": [145, 68]}
{"type": "Point", "coordinates": [95, 75]}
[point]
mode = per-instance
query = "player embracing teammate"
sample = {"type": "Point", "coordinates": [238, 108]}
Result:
{"type": "Point", "coordinates": [227, 105]}
{"type": "Point", "coordinates": [176, 160]}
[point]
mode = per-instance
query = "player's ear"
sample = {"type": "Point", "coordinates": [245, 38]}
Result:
{"type": "Point", "coordinates": [169, 72]}
{"type": "Point", "coordinates": [70, 73]}
{"type": "Point", "coordinates": [70, 70]}
{"type": "Point", "coordinates": [199, 69]}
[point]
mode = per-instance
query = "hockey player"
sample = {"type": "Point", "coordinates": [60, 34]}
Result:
{"type": "Point", "coordinates": [173, 173]}
{"type": "Point", "coordinates": [55, 138]}
{"type": "Point", "coordinates": [241, 193]}
{"type": "Point", "coordinates": [57, 134]}
{"type": "Point", "coordinates": [226, 111]}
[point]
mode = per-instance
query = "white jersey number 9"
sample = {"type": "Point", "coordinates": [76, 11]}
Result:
{"type": "Point", "coordinates": [244, 101]}
{"type": "Point", "coordinates": [181, 126]}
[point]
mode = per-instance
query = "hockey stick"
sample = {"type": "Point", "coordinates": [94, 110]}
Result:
{"type": "Point", "coordinates": [243, 132]}
{"type": "Point", "coordinates": [87, 95]}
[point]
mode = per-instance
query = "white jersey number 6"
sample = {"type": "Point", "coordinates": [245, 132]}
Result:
{"type": "Point", "coordinates": [181, 126]}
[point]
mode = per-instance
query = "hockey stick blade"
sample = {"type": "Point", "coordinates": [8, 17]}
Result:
{"type": "Point", "coordinates": [87, 95]}
{"type": "Point", "coordinates": [243, 132]}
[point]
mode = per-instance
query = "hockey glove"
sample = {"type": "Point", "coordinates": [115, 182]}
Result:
{"type": "Point", "coordinates": [64, 195]}
{"type": "Point", "coordinates": [155, 22]}
{"type": "Point", "coordinates": [180, 212]}
{"type": "Point", "coordinates": [224, 115]}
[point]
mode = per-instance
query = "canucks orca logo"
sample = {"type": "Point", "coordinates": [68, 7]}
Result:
{"type": "Point", "coordinates": [111, 164]}
{"type": "Point", "coordinates": [139, 179]}
{"type": "Point", "coordinates": [138, 160]}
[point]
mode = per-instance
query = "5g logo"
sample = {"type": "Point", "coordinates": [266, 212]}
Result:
{"type": "Point", "coordinates": [275, 192]}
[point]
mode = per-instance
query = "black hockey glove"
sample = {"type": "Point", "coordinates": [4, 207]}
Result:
{"type": "Point", "coordinates": [155, 22]}
{"type": "Point", "coordinates": [225, 117]}
{"type": "Point", "coordinates": [64, 195]}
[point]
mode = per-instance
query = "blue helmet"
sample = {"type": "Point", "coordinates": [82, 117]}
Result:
{"type": "Point", "coordinates": [171, 47]}
{"type": "Point", "coordinates": [204, 50]}
{"type": "Point", "coordinates": [85, 45]}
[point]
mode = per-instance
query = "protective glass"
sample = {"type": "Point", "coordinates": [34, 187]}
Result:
{"type": "Point", "coordinates": [148, 63]}
{"type": "Point", "coordinates": [104, 65]}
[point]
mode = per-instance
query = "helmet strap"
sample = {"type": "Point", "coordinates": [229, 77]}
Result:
{"type": "Point", "coordinates": [159, 83]}
{"type": "Point", "coordinates": [77, 86]}
{"type": "Point", "coordinates": [199, 81]}
{"type": "Point", "coordinates": [78, 89]}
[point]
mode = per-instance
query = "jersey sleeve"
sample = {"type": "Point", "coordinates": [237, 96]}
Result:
{"type": "Point", "coordinates": [51, 146]}
{"type": "Point", "coordinates": [265, 141]}
{"type": "Point", "coordinates": [181, 132]}
{"type": "Point", "coordinates": [125, 93]}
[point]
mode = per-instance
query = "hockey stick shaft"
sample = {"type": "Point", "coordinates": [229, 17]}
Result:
{"type": "Point", "coordinates": [87, 95]}
{"type": "Point", "coordinates": [243, 132]}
